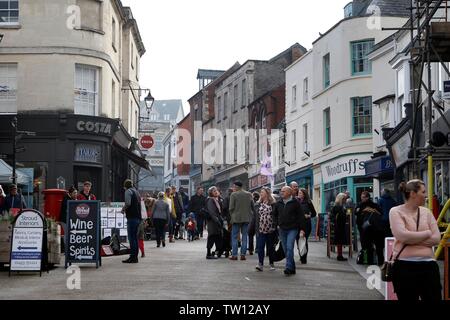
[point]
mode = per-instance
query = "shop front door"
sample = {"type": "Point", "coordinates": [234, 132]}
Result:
{"type": "Point", "coordinates": [82, 174]}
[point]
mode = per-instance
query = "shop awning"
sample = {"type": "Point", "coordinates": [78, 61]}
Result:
{"type": "Point", "coordinates": [6, 174]}
{"type": "Point", "coordinates": [133, 157]}
{"type": "Point", "coordinates": [382, 167]}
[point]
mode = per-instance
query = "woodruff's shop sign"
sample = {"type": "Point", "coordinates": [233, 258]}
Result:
{"type": "Point", "coordinates": [349, 166]}
{"type": "Point", "coordinates": [83, 232]}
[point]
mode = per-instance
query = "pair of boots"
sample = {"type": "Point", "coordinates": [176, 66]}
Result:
{"type": "Point", "coordinates": [159, 244]}
{"type": "Point", "coordinates": [131, 260]}
{"type": "Point", "coordinates": [211, 256]}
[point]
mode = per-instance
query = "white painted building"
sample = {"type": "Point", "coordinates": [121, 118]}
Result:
{"type": "Point", "coordinates": [340, 90]}
{"type": "Point", "coordinates": [392, 73]}
{"type": "Point", "coordinates": [299, 122]}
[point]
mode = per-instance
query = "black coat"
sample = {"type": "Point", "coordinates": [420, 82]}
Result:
{"type": "Point", "coordinates": [339, 217]}
{"type": "Point", "coordinates": [290, 215]}
{"type": "Point", "coordinates": [196, 205]}
{"type": "Point", "coordinates": [214, 221]}
{"type": "Point", "coordinates": [360, 213]}
{"type": "Point", "coordinates": [308, 209]}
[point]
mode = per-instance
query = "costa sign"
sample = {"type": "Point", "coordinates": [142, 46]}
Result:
{"type": "Point", "coordinates": [94, 127]}
{"type": "Point", "coordinates": [147, 142]}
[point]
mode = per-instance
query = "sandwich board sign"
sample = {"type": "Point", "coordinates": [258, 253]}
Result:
{"type": "Point", "coordinates": [83, 232]}
{"type": "Point", "coordinates": [27, 243]}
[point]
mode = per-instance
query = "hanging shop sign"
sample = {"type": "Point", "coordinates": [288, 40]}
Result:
{"type": "Point", "coordinates": [27, 241]}
{"type": "Point", "coordinates": [400, 149]}
{"type": "Point", "coordinates": [83, 232]}
{"type": "Point", "coordinates": [348, 166]}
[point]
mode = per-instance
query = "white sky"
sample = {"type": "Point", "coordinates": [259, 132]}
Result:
{"type": "Point", "coordinates": [182, 36]}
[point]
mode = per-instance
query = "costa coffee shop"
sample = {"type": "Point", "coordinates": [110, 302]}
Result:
{"type": "Point", "coordinates": [342, 174]}
{"type": "Point", "coordinates": [69, 149]}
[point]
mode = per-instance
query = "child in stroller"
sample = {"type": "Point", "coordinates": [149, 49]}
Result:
{"type": "Point", "coordinates": [191, 227]}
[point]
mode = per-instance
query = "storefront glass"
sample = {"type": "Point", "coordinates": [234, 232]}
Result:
{"type": "Point", "coordinates": [39, 183]}
{"type": "Point", "coordinates": [331, 190]}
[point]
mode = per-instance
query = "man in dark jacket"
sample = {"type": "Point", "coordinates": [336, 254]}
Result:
{"type": "Point", "coordinates": [178, 204]}
{"type": "Point", "coordinates": [197, 204]}
{"type": "Point", "coordinates": [14, 200]}
{"type": "Point", "coordinates": [290, 220]}
{"type": "Point", "coordinates": [132, 211]}
{"type": "Point", "coordinates": [386, 203]}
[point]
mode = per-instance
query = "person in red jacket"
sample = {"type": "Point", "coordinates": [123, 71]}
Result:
{"type": "Point", "coordinates": [86, 193]}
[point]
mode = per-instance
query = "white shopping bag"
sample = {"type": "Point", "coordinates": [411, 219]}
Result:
{"type": "Point", "coordinates": [302, 246]}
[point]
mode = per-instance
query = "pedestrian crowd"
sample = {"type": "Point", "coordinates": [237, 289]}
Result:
{"type": "Point", "coordinates": [280, 222]}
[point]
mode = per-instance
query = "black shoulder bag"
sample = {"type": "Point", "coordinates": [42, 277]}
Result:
{"type": "Point", "coordinates": [387, 269]}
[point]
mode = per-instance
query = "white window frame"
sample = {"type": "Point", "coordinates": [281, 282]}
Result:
{"type": "Point", "coordinates": [9, 22]}
{"type": "Point", "coordinates": [114, 36]}
{"type": "Point", "coordinates": [305, 138]}
{"type": "Point", "coordinates": [294, 145]}
{"type": "Point", "coordinates": [305, 90]}
{"type": "Point", "coordinates": [8, 89]}
{"type": "Point", "coordinates": [78, 90]}
{"type": "Point", "coordinates": [113, 98]}
{"type": "Point", "coordinates": [294, 97]}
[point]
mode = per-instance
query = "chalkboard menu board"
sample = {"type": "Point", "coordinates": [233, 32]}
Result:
{"type": "Point", "coordinates": [83, 232]}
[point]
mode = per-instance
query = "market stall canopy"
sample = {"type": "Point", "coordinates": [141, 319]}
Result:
{"type": "Point", "coordinates": [6, 174]}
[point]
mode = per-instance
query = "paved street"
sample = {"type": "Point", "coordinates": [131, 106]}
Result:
{"type": "Point", "coordinates": [180, 271]}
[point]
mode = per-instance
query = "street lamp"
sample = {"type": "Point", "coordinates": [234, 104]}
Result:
{"type": "Point", "coordinates": [148, 100]}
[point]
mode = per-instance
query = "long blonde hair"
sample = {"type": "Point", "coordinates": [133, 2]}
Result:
{"type": "Point", "coordinates": [270, 199]}
{"type": "Point", "coordinates": [340, 199]}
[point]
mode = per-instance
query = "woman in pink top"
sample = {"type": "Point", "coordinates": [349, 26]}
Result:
{"type": "Point", "coordinates": [416, 273]}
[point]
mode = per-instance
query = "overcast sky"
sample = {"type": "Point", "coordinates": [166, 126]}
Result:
{"type": "Point", "coordinates": [182, 36]}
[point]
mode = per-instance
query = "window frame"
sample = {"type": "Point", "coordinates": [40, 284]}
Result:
{"type": "Point", "coordinates": [9, 10]}
{"type": "Point", "coordinates": [96, 91]}
{"type": "Point", "coordinates": [327, 126]}
{"type": "Point", "coordinates": [236, 97]}
{"type": "Point", "coordinates": [244, 93]}
{"type": "Point", "coordinates": [357, 119]}
{"type": "Point", "coordinates": [305, 138]}
{"type": "Point", "coordinates": [326, 66]}
{"type": "Point", "coordinates": [365, 59]}
{"type": "Point", "coordinates": [294, 97]}
{"type": "Point", "coordinates": [305, 90]}
{"type": "Point", "coordinates": [294, 145]}
{"type": "Point", "coordinates": [10, 81]}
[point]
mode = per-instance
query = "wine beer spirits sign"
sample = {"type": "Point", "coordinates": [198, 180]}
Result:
{"type": "Point", "coordinates": [83, 232]}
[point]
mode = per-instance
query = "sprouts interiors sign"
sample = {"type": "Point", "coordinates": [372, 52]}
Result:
{"type": "Point", "coordinates": [348, 166]}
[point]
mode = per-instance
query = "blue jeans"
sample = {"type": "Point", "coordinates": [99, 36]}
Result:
{"type": "Point", "coordinates": [133, 227]}
{"type": "Point", "coordinates": [287, 238]}
{"type": "Point", "coordinates": [261, 241]}
{"type": "Point", "coordinates": [243, 228]}
{"type": "Point", "coordinates": [200, 225]}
